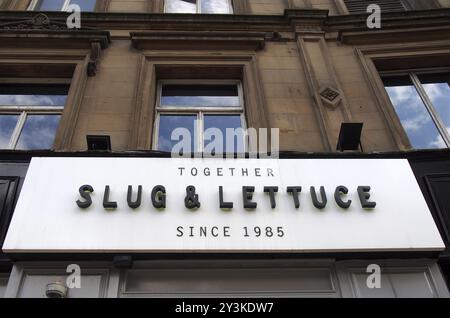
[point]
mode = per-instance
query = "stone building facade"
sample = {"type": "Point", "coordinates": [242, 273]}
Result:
{"type": "Point", "coordinates": [302, 66]}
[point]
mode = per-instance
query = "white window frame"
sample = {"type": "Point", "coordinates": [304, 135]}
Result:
{"type": "Point", "coordinates": [199, 8]}
{"type": "Point", "coordinates": [34, 3]}
{"type": "Point", "coordinates": [413, 75]}
{"type": "Point", "coordinates": [23, 112]}
{"type": "Point", "coordinates": [200, 112]}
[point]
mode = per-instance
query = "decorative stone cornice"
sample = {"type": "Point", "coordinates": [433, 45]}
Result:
{"type": "Point", "coordinates": [198, 40]}
{"type": "Point", "coordinates": [300, 21]}
{"type": "Point", "coordinates": [40, 29]}
{"type": "Point", "coordinates": [408, 26]}
{"type": "Point", "coordinates": [37, 22]}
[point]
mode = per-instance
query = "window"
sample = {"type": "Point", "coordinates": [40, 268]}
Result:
{"type": "Point", "coordinates": [30, 115]}
{"type": "Point", "coordinates": [199, 6]}
{"type": "Point", "coordinates": [206, 110]}
{"type": "Point", "coordinates": [422, 102]}
{"type": "Point", "coordinates": [61, 5]}
{"type": "Point", "coordinates": [360, 6]}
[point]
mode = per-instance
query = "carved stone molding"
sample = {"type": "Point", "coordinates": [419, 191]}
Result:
{"type": "Point", "coordinates": [40, 30]}
{"type": "Point", "coordinates": [198, 40]}
{"type": "Point", "coordinates": [330, 96]}
{"type": "Point", "coordinates": [38, 22]}
{"type": "Point", "coordinates": [331, 106]}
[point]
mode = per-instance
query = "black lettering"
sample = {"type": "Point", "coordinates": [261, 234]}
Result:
{"type": "Point", "coordinates": [295, 194]}
{"type": "Point", "coordinates": [224, 205]}
{"type": "Point", "coordinates": [180, 231]}
{"type": "Point", "coordinates": [159, 197]}
{"type": "Point", "coordinates": [271, 191]}
{"type": "Point", "coordinates": [364, 196]}
{"type": "Point", "coordinates": [191, 201]}
{"type": "Point", "coordinates": [134, 204]}
{"type": "Point", "coordinates": [85, 192]}
{"type": "Point", "coordinates": [247, 193]}
{"type": "Point", "coordinates": [107, 204]}
{"type": "Point", "coordinates": [320, 205]}
{"type": "Point", "coordinates": [338, 197]}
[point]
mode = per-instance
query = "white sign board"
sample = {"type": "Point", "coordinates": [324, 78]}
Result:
{"type": "Point", "coordinates": [52, 217]}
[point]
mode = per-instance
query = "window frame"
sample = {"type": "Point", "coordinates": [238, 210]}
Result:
{"type": "Point", "coordinates": [34, 3]}
{"type": "Point", "coordinates": [407, 4]}
{"type": "Point", "coordinates": [24, 111]}
{"type": "Point", "coordinates": [431, 109]}
{"type": "Point", "coordinates": [200, 112]}
{"type": "Point", "coordinates": [199, 8]}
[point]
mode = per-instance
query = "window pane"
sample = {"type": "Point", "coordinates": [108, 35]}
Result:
{"type": "Point", "coordinates": [216, 6]}
{"type": "Point", "coordinates": [437, 87]}
{"type": "Point", "coordinates": [181, 6]}
{"type": "Point", "coordinates": [413, 114]}
{"type": "Point", "coordinates": [221, 123]}
{"type": "Point", "coordinates": [33, 95]}
{"type": "Point", "coordinates": [85, 5]}
{"type": "Point", "coordinates": [168, 123]}
{"type": "Point", "coordinates": [49, 5]}
{"type": "Point", "coordinates": [7, 125]}
{"type": "Point", "coordinates": [200, 96]}
{"type": "Point", "coordinates": [38, 132]}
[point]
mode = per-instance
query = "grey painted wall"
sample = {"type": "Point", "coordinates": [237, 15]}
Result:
{"type": "Point", "coordinates": [3, 284]}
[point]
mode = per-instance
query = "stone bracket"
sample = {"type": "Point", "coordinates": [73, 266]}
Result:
{"type": "Point", "coordinates": [94, 57]}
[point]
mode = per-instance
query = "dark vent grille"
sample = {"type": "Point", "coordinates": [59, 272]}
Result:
{"type": "Point", "coordinates": [360, 6]}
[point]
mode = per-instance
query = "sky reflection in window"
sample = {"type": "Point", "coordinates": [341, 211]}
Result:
{"type": "Point", "coordinates": [221, 123]}
{"type": "Point", "coordinates": [32, 100]}
{"type": "Point", "coordinates": [181, 6]}
{"type": "Point", "coordinates": [38, 132]}
{"type": "Point", "coordinates": [216, 6]}
{"type": "Point", "coordinates": [437, 87]}
{"type": "Point", "coordinates": [168, 123]}
{"type": "Point", "coordinates": [58, 5]}
{"type": "Point", "coordinates": [414, 116]}
{"type": "Point", "coordinates": [7, 125]}
{"type": "Point", "coordinates": [85, 5]}
{"type": "Point", "coordinates": [49, 5]}
{"type": "Point", "coordinates": [200, 96]}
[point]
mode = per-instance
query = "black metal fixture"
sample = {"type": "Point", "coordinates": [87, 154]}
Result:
{"type": "Point", "coordinates": [123, 261]}
{"type": "Point", "coordinates": [98, 143]}
{"type": "Point", "coordinates": [350, 137]}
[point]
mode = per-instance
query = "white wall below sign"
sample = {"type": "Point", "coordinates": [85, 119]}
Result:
{"type": "Point", "coordinates": [47, 219]}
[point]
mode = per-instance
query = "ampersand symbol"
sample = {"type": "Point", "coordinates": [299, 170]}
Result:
{"type": "Point", "coordinates": [191, 201]}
